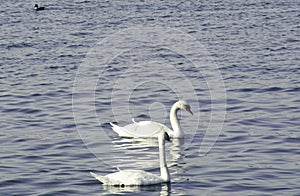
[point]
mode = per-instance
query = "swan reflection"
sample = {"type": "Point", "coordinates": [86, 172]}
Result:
{"type": "Point", "coordinates": [140, 145]}
{"type": "Point", "coordinates": [164, 189]}
{"type": "Point", "coordinates": [177, 154]}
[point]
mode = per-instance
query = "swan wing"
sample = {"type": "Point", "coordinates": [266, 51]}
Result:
{"type": "Point", "coordinates": [141, 129]}
{"type": "Point", "coordinates": [145, 129]}
{"type": "Point", "coordinates": [133, 177]}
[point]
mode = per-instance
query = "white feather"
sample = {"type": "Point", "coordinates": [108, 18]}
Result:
{"type": "Point", "coordinates": [150, 128]}
{"type": "Point", "coordinates": [139, 177]}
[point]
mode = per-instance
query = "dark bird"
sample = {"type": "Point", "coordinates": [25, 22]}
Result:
{"type": "Point", "coordinates": [37, 8]}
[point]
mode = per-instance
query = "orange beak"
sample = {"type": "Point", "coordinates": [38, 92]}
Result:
{"type": "Point", "coordinates": [188, 109]}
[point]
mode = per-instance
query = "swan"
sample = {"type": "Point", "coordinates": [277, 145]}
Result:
{"type": "Point", "coordinates": [140, 177]}
{"type": "Point", "coordinates": [150, 128]}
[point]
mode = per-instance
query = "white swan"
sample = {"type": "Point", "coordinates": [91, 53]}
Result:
{"type": "Point", "coordinates": [150, 128]}
{"type": "Point", "coordinates": [139, 177]}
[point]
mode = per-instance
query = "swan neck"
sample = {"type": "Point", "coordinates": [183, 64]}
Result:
{"type": "Point", "coordinates": [174, 122]}
{"type": "Point", "coordinates": [164, 171]}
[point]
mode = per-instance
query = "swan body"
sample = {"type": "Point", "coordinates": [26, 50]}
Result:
{"type": "Point", "coordinates": [139, 177]}
{"type": "Point", "coordinates": [129, 177]}
{"type": "Point", "coordinates": [151, 129]}
{"type": "Point", "coordinates": [141, 129]}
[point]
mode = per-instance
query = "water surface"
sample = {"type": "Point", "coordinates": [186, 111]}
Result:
{"type": "Point", "coordinates": [47, 148]}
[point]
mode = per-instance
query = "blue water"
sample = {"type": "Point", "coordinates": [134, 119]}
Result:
{"type": "Point", "coordinates": [69, 70]}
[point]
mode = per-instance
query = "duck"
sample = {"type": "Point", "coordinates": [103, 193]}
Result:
{"type": "Point", "coordinates": [37, 8]}
{"type": "Point", "coordinates": [124, 178]}
{"type": "Point", "coordinates": [151, 128]}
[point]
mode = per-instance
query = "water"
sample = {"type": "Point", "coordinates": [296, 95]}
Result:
{"type": "Point", "coordinates": [237, 63]}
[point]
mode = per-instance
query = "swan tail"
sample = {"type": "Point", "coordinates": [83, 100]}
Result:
{"type": "Point", "coordinates": [112, 124]}
{"type": "Point", "coordinates": [119, 130]}
{"type": "Point", "coordinates": [133, 120]}
{"type": "Point", "coordinates": [102, 179]}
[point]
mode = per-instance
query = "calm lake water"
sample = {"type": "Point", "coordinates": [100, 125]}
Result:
{"type": "Point", "coordinates": [67, 71]}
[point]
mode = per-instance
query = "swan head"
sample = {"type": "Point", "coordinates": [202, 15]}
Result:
{"type": "Point", "coordinates": [183, 105]}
